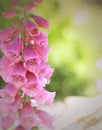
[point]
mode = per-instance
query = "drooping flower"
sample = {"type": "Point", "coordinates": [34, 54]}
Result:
{"type": "Point", "coordinates": [8, 33]}
{"type": "Point", "coordinates": [31, 59]}
{"type": "Point", "coordinates": [41, 22]}
{"type": "Point", "coordinates": [6, 69]}
{"type": "Point", "coordinates": [32, 87]}
{"type": "Point", "coordinates": [12, 49]}
{"type": "Point", "coordinates": [31, 28]}
{"type": "Point", "coordinates": [46, 120]}
{"type": "Point", "coordinates": [41, 39]}
{"type": "Point", "coordinates": [18, 76]}
{"type": "Point", "coordinates": [27, 118]}
{"type": "Point", "coordinates": [8, 95]}
{"type": "Point", "coordinates": [44, 97]}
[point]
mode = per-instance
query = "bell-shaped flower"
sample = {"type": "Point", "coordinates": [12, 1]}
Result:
{"type": "Point", "coordinates": [42, 52]}
{"type": "Point", "coordinates": [10, 109]}
{"type": "Point", "coordinates": [44, 97]}
{"type": "Point", "coordinates": [14, 107]}
{"type": "Point", "coordinates": [46, 72]}
{"type": "Point", "coordinates": [31, 28]}
{"type": "Point", "coordinates": [5, 68]}
{"type": "Point", "coordinates": [46, 120]}
{"type": "Point", "coordinates": [32, 87]}
{"type": "Point", "coordinates": [41, 22]}
{"type": "Point", "coordinates": [27, 118]}
{"type": "Point", "coordinates": [7, 34]}
{"type": "Point", "coordinates": [8, 95]}
{"type": "Point", "coordinates": [18, 76]}
{"type": "Point", "coordinates": [41, 39]}
{"type": "Point", "coordinates": [12, 49]}
{"type": "Point", "coordinates": [31, 58]}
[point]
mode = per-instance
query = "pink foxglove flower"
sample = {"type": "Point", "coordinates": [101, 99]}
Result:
{"type": "Point", "coordinates": [24, 68]}
{"type": "Point", "coordinates": [31, 58]}
{"type": "Point", "coordinates": [31, 28]}
{"type": "Point", "coordinates": [10, 109]}
{"type": "Point", "coordinates": [18, 76]}
{"type": "Point", "coordinates": [46, 71]}
{"type": "Point", "coordinates": [8, 95]}
{"type": "Point", "coordinates": [46, 120]}
{"type": "Point", "coordinates": [7, 34]}
{"type": "Point", "coordinates": [41, 39]}
{"type": "Point", "coordinates": [41, 22]}
{"type": "Point", "coordinates": [9, 14]}
{"type": "Point", "coordinates": [27, 119]}
{"type": "Point", "coordinates": [12, 49]}
{"type": "Point", "coordinates": [5, 73]}
{"type": "Point", "coordinates": [44, 97]}
{"type": "Point", "coordinates": [14, 107]}
{"type": "Point", "coordinates": [32, 87]}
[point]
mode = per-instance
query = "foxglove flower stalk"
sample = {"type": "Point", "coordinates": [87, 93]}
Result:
{"type": "Point", "coordinates": [24, 68]}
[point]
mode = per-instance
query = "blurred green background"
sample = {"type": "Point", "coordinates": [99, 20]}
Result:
{"type": "Point", "coordinates": [76, 41]}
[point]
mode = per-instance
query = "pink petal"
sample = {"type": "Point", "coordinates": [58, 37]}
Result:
{"type": "Point", "coordinates": [18, 76]}
{"type": "Point", "coordinates": [14, 107]}
{"type": "Point", "coordinates": [46, 119]}
{"type": "Point", "coordinates": [27, 119]}
{"type": "Point", "coordinates": [46, 72]}
{"type": "Point", "coordinates": [31, 59]}
{"type": "Point", "coordinates": [32, 87]}
{"type": "Point", "coordinates": [43, 52]}
{"type": "Point", "coordinates": [8, 95]}
{"type": "Point", "coordinates": [5, 73]}
{"type": "Point", "coordinates": [31, 28]}
{"type": "Point", "coordinates": [42, 39]}
{"type": "Point", "coordinates": [41, 22]}
{"type": "Point", "coordinates": [45, 97]}
{"type": "Point", "coordinates": [7, 34]}
{"type": "Point", "coordinates": [12, 49]}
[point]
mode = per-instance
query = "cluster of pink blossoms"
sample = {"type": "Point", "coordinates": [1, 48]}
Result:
{"type": "Point", "coordinates": [24, 68]}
